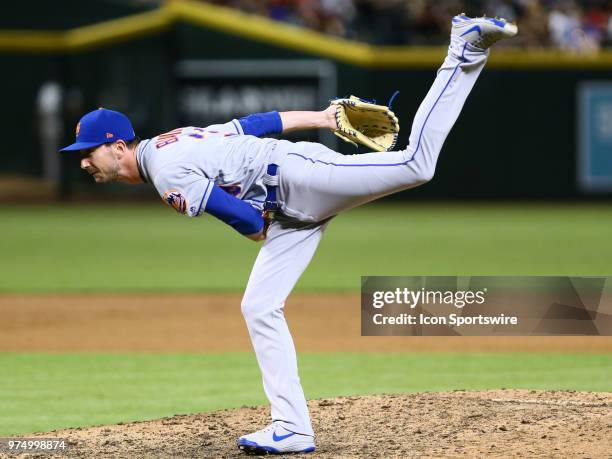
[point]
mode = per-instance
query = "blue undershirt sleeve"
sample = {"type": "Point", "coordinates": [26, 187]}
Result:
{"type": "Point", "coordinates": [261, 124]}
{"type": "Point", "coordinates": [238, 214]}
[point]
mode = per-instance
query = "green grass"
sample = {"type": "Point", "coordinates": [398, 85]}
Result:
{"type": "Point", "coordinates": [149, 247]}
{"type": "Point", "coordinates": [40, 392]}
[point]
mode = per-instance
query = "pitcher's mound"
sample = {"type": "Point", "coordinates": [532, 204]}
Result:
{"type": "Point", "coordinates": [459, 423]}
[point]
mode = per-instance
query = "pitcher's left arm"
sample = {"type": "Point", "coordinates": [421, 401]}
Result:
{"type": "Point", "coordinates": [271, 123]}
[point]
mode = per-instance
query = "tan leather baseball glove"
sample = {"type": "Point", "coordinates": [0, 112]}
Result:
{"type": "Point", "coordinates": [365, 123]}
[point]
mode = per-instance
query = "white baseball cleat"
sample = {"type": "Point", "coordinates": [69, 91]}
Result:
{"type": "Point", "coordinates": [275, 439]}
{"type": "Point", "coordinates": [482, 32]}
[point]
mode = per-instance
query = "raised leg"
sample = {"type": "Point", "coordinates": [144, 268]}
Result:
{"type": "Point", "coordinates": [316, 182]}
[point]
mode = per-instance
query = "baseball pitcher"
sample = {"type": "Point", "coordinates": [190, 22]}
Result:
{"type": "Point", "coordinates": [286, 193]}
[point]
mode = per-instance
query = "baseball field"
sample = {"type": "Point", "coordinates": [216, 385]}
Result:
{"type": "Point", "coordinates": [120, 330]}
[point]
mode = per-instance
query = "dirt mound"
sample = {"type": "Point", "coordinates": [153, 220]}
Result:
{"type": "Point", "coordinates": [459, 423]}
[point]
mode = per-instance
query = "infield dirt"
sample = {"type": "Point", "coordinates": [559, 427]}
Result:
{"type": "Point", "coordinates": [448, 424]}
{"type": "Point", "coordinates": [212, 322]}
{"type": "Point", "coordinates": [507, 423]}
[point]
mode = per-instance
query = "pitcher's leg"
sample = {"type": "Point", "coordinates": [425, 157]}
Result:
{"type": "Point", "coordinates": [281, 261]}
{"type": "Point", "coordinates": [319, 183]}
{"type": "Point", "coordinates": [442, 105]}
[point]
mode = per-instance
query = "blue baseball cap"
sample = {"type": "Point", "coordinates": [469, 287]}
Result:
{"type": "Point", "coordinates": [101, 126]}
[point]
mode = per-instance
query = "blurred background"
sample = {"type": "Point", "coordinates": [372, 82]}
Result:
{"type": "Point", "coordinates": [537, 126]}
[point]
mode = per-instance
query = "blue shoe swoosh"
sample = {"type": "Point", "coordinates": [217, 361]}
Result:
{"type": "Point", "coordinates": [281, 437]}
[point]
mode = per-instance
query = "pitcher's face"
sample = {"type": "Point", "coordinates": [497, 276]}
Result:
{"type": "Point", "coordinates": [101, 162]}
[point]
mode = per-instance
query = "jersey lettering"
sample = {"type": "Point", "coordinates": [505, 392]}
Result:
{"type": "Point", "coordinates": [195, 135]}
{"type": "Point", "coordinates": [168, 138]}
{"type": "Point", "coordinates": [173, 136]}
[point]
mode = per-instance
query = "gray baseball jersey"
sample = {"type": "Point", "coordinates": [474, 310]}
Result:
{"type": "Point", "coordinates": [183, 165]}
